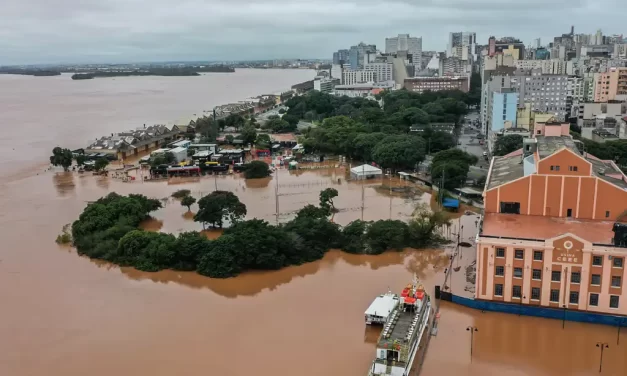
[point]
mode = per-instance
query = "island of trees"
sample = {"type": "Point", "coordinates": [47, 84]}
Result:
{"type": "Point", "coordinates": [185, 71]}
{"type": "Point", "coordinates": [30, 72]}
{"type": "Point", "coordinates": [108, 229]}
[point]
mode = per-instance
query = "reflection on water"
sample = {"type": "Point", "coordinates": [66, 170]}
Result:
{"type": "Point", "coordinates": [64, 182]}
{"type": "Point", "coordinates": [253, 282]}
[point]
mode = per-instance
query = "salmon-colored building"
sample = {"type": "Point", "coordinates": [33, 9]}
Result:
{"type": "Point", "coordinates": [554, 230]}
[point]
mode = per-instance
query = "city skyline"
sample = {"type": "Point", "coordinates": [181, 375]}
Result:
{"type": "Point", "coordinates": [38, 32]}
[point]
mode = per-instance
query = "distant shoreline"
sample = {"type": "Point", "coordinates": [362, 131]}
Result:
{"type": "Point", "coordinates": [31, 72]}
{"type": "Point", "coordinates": [166, 72]}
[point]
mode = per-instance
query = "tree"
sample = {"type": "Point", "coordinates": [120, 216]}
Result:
{"type": "Point", "coordinates": [398, 152]}
{"type": "Point", "coordinates": [279, 126]}
{"type": "Point", "coordinates": [248, 135]}
{"type": "Point", "coordinates": [80, 159]}
{"type": "Point", "coordinates": [386, 235]}
{"type": "Point", "coordinates": [235, 120]}
{"type": "Point", "coordinates": [354, 236]}
{"type": "Point", "coordinates": [181, 193]}
{"type": "Point", "coordinates": [291, 120]}
{"type": "Point", "coordinates": [453, 165]}
{"type": "Point", "coordinates": [263, 141]}
{"type": "Point", "coordinates": [282, 111]}
{"type": "Point", "coordinates": [312, 211]}
{"type": "Point", "coordinates": [437, 141]}
{"type": "Point", "coordinates": [188, 201]}
{"type": "Point", "coordinates": [61, 157]}
{"type": "Point", "coordinates": [161, 159]}
{"type": "Point", "coordinates": [101, 164]}
{"type": "Point", "coordinates": [326, 199]}
{"type": "Point", "coordinates": [256, 170]}
{"type": "Point", "coordinates": [229, 138]}
{"type": "Point", "coordinates": [364, 143]}
{"type": "Point", "coordinates": [507, 144]}
{"type": "Point", "coordinates": [219, 206]}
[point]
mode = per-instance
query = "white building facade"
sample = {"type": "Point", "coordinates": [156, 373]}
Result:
{"type": "Point", "coordinates": [403, 42]}
{"type": "Point", "coordinates": [351, 77]}
{"type": "Point", "coordinates": [383, 71]}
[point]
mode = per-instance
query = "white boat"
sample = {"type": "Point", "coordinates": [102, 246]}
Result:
{"type": "Point", "coordinates": [403, 329]}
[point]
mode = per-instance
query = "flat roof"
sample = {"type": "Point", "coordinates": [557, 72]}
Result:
{"type": "Point", "coordinates": [541, 228]}
{"type": "Point", "coordinates": [504, 170]}
{"type": "Point", "coordinates": [383, 305]}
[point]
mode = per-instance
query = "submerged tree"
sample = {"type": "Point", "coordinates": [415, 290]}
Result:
{"type": "Point", "coordinates": [188, 201]}
{"type": "Point", "coordinates": [61, 157]}
{"type": "Point", "coordinates": [218, 206]}
{"type": "Point", "coordinates": [326, 199]}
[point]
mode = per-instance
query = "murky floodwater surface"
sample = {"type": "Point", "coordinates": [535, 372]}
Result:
{"type": "Point", "coordinates": [65, 315]}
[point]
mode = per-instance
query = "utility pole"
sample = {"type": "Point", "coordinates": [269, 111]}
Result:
{"type": "Point", "coordinates": [602, 345]}
{"type": "Point", "coordinates": [472, 330]}
{"type": "Point", "coordinates": [390, 188]}
{"type": "Point", "coordinates": [362, 191]}
{"type": "Point", "coordinates": [276, 195]}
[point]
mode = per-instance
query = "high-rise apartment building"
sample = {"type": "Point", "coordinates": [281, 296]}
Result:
{"type": "Point", "coordinates": [462, 45]}
{"type": "Point", "coordinates": [403, 42]}
{"type": "Point", "coordinates": [351, 77]}
{"type": "Point", "coordinates": [340, 57]}
{"type": "Point", "coordinates": [384, 71]}
{"type": "Point", "coordinates": [504, 107]}
{"type": "Point", "coordinates": [358, 53]}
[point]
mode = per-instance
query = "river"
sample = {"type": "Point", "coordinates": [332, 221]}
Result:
{"type": "Point", "coordinates": [65, 315]}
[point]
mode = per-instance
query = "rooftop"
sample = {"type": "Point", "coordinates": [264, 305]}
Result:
{"type": "Point", "coordinates": [541, 228]}
{"type": "Point", "coordinates": [510, 167]}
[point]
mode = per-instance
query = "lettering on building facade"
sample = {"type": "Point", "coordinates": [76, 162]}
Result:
{"type": "Point", "coordinates": [568, 251]}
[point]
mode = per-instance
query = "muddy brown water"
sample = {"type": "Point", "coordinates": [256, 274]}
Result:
{"type": "Point", "coordinates": [65, 315]}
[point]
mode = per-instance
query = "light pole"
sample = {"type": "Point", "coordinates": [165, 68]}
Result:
{"type": "Point", "coordinates": [564, 318]}
{"type": "Point", "coordinates": [620, 324]}
{"type": "Point", "coordinates": [472, 330]}
{"type": "Point", "coordinates": [602, 345]}
{"type": "Point", "coordinates": [521, 304]}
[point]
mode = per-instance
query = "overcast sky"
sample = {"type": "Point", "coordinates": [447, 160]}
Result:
{"type": "Point", "coordinates": [59, 31]}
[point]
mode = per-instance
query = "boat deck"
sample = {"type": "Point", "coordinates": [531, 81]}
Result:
{"type": "Point", "coordinates": [400, 328]}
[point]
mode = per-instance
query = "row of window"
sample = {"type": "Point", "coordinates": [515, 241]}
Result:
{"type": "Point", "coordinates": [556, 276]}
{"type": "Point", "coordinates": [555, 296]}
{"type": "Point", "coordinates": [519, 254]}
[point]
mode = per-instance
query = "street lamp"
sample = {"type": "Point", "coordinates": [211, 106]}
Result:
{"type": "Point", "coordinates": [602, 345]}
{"type": "Point", "coordinates": [472, 330]}
{"type": "Point", "coordinates": [521, 304]}
{"type": "Point", "coordinates": [564, 318]}
{"type": "Point", "coordinates": [620, 322]}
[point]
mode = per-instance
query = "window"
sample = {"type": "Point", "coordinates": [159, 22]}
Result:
{"type": "Point", "coordinates": [607, 214]}
{"type": "Point", "coordinates": [555, 296]}
{"type": "Point", "coordinates": [617, 262]}
{"type": "Point", "coordinates": [575, 277]}
{"type": "Point", "coordinates": [572, 168]}
{"type": "Point", "coordinates": [597, 260]}
{"type": "Point", "coordinates": [574, 297]}
{"type": "Point", "coordinates": [555, 168]}
{"type": "Point", "coordinates": [594, 300]}
{"type": "Point", "coordinates": [499, 271]}
{"type": "Point", "coordinates": [596, 280]}
{"type": "Point", "coordinates": [569, 213]}
{"type": "Point", "coordinates": [510, 207]}
{"type": "Point", "coordinates": [519, 254]}
{"type": "Point", "coordinates": [516, 292]}
{"type": "Point", "coordinates": [537, 274]}
{"type": "Point", "coordinates": [537, 255]}
{"type": "Point", "coordinates": [500, 252]}
{"type": "Point", "coordinates": [616, 281]}
{"type": "Point", "coordinates": [517, 272]}
{"type": "Point", "coordinates": [498, 289]}
{"type": "Point", "coordinates": [614, 301]}
{"type": "Point", "coordinates": [556, 276]}
{"type": "Point", "coordinates": [535, 293]}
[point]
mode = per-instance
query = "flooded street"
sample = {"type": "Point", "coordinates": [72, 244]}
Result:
{"type": "Point", "coordinates": [65, 315]}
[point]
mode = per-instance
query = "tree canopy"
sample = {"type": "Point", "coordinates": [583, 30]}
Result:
{"type": "Point", "coordinates": [354, 127]}
{"type": "Point", "coordinates": [61, 157]}
{"type": "Point", "coordinates": [257, 170]}
{"type": "Point", "coordinates": [101, 164]}
{"type": "Point", "coordinates": [248, 135]}
{"type": "Point", "coordinates": [507, 144]}
{"type": "Point", "coordinates": [109, 229]}
{"type": "Point", "coordinates": [453, 165]}
{"type": "Point", "coordinates": [219, 206]}
{"type": "Point", "coordinates": [188, 201]}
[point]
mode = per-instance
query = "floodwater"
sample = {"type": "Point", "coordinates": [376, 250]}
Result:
{"type": "Point", "coordinates": [65, 315]}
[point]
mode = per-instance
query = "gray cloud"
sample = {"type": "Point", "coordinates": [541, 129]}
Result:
{"type": "Point", "coordinates": [45, 31]}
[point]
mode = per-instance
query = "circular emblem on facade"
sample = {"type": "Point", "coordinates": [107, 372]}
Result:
{"type": "Point", "coordinates": [568, 244]}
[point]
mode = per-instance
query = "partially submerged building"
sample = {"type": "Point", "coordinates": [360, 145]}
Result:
{"type": "Point", "coordinates": [130, 143]}
{"type": "Point", "coordinates": [554, 231]}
